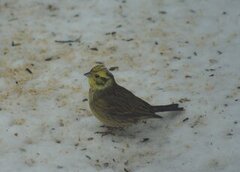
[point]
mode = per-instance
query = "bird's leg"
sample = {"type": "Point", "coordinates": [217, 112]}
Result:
{"type": "Point", "coordinates": [104, 126]}
{"type": "Point", "coordinates": [109, 130]}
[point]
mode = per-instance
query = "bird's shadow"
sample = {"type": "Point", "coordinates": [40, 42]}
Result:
{"type": "Point", "coordinates": [142, 128]}
{"type": "Point", "coordinates": [171, 115]}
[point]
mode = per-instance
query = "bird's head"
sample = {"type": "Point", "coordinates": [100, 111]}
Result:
{"type": "Point", "coordinates": [99, 77]}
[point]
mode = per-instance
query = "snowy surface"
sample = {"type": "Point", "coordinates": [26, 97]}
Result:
{"type": "Point", "coordinates": [166, 51]}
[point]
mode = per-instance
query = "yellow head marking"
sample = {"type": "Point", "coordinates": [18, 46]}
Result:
{"type": "Point", "coordinates": [99, 77]}
{"type": "Point", "coordinates": [98, 67]}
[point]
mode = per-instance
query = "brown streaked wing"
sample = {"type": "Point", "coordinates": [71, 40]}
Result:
{"type": "Point", "coordinates": [121, 103]}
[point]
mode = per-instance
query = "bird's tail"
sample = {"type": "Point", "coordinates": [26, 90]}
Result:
{"type": "Point", "coordinates": [165, 108]}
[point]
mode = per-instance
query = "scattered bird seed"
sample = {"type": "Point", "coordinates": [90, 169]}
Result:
{"type": "Point", "coordinates": [59, 167]}
{"type": "Point", "coordinates": [184, 120]}
{"type": "Point", "coordinates": [224, 13]}
{"type": "Point", "coordinates": [144, 140]}
{"type": "Point", "coordinates": [69, 41]}
{"type": "Point", "coordinates": [52, 58]}
{"type": "Point", "coordinates": [182, 100]}
{"type": "Point", "coordinates": [84, 100]}
{"type": "Point", "coordinates": [110, 33]}
{"type": "Point", "coordinates": [113, 68]}
{"type": "Point", "coordinates": [177, 58]}
{"type": "Point", "coordinates": [94, 49]}
{"type": "Point", "coordinates": [130, 39]}
{"type": "Point", "coordinates": [58, 141]}
{"type": "Point", "coordinates": [188, 76]}
{"type": "Point", "coordinates": [28, 70]}
{"type": "Point", "coordinates": [15, 44]}
{"type": "Point", "coordinates": [88, 157]}
{"type": "Point", "coordinates": [98, 62]}
{"type": "Point", "coordinates": [162, 12]}
{"type": "Point", "coordinates": [210, 70]}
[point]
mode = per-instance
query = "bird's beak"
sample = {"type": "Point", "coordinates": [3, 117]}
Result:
{"type": "Point", "coordinates": [87, 74]}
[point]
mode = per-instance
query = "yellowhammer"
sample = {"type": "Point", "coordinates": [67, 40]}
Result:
{"type": "Point", "coordinates": [116, 106]}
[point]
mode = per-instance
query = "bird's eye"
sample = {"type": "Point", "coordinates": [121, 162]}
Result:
{"type": "Point", "coordinates": [96, 76]}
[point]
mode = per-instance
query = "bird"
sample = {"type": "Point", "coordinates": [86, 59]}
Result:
{"type": "Point", "coordinates": [114, 105]}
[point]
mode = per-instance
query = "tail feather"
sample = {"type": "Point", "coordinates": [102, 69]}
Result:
{"type": "Point", "coordinates": [165, 108]}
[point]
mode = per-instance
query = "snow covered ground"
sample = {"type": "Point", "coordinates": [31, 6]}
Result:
{"type": "Point", "coordinates": [166, 51]}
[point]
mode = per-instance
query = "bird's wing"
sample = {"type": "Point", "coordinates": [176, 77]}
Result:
{"type": "Point", "coordinates": [121, 103]}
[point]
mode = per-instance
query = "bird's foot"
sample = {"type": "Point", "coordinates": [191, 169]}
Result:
{"type": "Point", "coordinates": [105, 133]}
